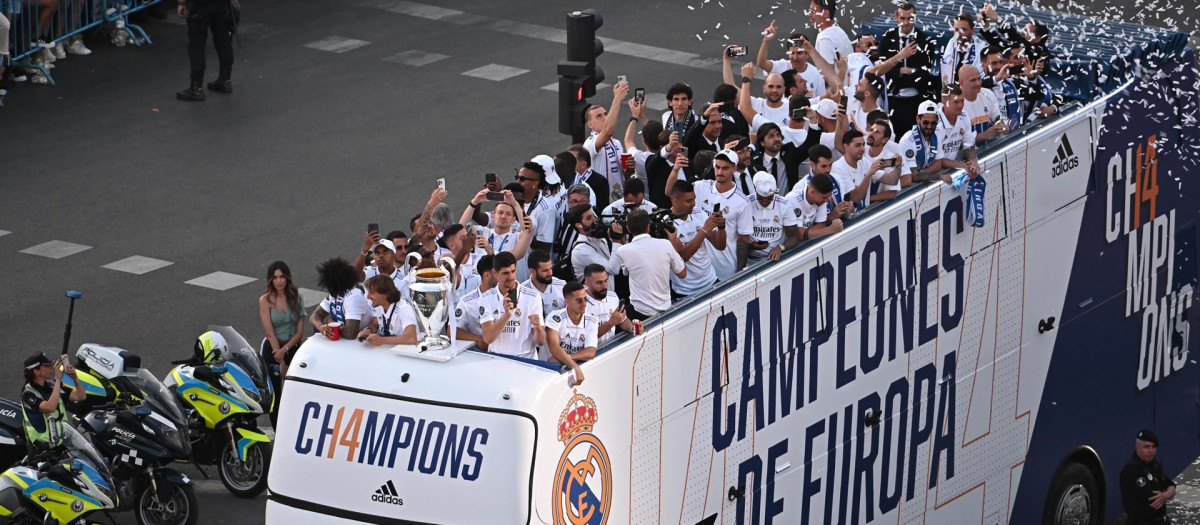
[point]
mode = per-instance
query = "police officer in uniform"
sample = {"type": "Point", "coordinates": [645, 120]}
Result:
{"type": "Point", "coordinates": [41, 399]}
{"type": "Point", "coordinates": [1145, 486]}
{"type": "Point", "coordinates": [202, 17]}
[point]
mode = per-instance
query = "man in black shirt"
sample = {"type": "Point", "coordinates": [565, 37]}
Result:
{"type": "Point", "coordinates": [1145, 486]}
{"type": "Point", "coordinates": [912, 80]}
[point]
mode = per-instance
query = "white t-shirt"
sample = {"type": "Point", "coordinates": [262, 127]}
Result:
{"type": "Point", "coordinates": [833, 44]}
{"type": "Point", "coordinates": [467, 312]}
{"type": "Point", "coordinates": [544, 214]}
{"type": "Point", "coordinates": [982, 111]}
{"type": "Point", "coordinates": [618, 207]}
{"type": "Point", "coordinates": [468, 272]}
{"type": "Point", "coordinates": [572, 337]}
{"type": "Point", "coordinates": [394, 320]}
{"type": "Point", "coordinates": [857, 65]}
{"type": "Point", "coordinates": [889, 150]}
{"type": "Point", "coordinates": [606, 160]}
{"type": "Point", "coordinates": [806, 213]}
{"type": "Point", "coordinates": [733, 206]}
{"type": "Point", "coordinates": [517, 337]}
{"type": "Point", "coordinates": [848, 177]}
{"type": "Point", "coordinates": [352, 305]}
{"type": "Point", "coordinates": [602, 309]}
{"type": "Point", "coordinates": [953, 138]}
{"type": "Point", "coordinates": [701, 274]}
{"type": "Point", "coordinates": [649, 262]}
{"type": "Point", "coordinates": [769, 222]}
{"type": "Point", "coordinates": [908, 145]}
{"type": "Point", "coordinates": [399, 277]}
{"type": "Point", "coordinates": [552, 298]}
{"type": "Point", "coordinates": [590, 250]}
{"type": "Point", "coordinates": [777, 115]}
{"type": "Point", "coordinates": [811, 75]}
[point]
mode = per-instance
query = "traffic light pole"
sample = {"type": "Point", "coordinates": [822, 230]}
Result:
{"type": "Point", "coordinates": [578, 76]}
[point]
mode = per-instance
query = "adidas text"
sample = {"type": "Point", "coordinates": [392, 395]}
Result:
{"type": "Point", "coordinates": [387, 494]}
{"type": "Point", "coordinates": [387, 499]}
{"type": "Point", "coordinates": [1064, 166]}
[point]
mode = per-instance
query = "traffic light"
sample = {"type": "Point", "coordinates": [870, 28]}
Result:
{"type": "Point", "coordinates": [578, 75]}
{"type": "Point", "coordinates": [571, 101]}
{"type": "Point", "coordinates": [583, 46]}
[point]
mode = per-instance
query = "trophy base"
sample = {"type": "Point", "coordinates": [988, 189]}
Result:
{"type": "Point", "coordinates": [441, 355]}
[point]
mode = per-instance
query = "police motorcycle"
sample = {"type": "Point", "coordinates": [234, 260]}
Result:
{"type": "Point", "coordinates": [137, 424]}
{"type": "Point", "coordinates": [12, 433]}
{"type": "Point", "coordinates": [226, 386]}
{"type": "Point", "coordinates": [60, 487]}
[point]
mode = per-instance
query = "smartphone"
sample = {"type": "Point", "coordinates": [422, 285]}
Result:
{"type": "Point", "coordinates": [741, 144]}
{"type": "Point", "coordinates": [512, 296]}
{"type": "Point", "coordinates": [639, 95]}
{"type": "Point", "coordinates": [490, 178]}
{"type": "Point", "coordinates": [735, 51]}
{"type": "Point", "coordinates": [373, 227]}
{"type": "Point", "coordinates": [798, 114]}
{"type": "Point", "coordinates": [441, 184]}
{"type": "Point", "coordinates": [1016, 70]}
{"type": "Point", "coordinates": [887, 163]}
{"type": "Point", "coordinates": [683, 151]}
{"type": "Point", "coordinates": [843, 101]}
{"type": "Point", "coordinates": [496, 196]}
{"type": "Point", "coordinates": [680, 127]}
{"type": "Point", "coordinates": [622, 80]}
{"type": "Point", "coordinates": [716, 208]}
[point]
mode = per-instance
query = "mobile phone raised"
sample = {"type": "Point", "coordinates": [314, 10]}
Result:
{"type": "Point", "coordinates": [639, 95]}
{"type": "Point", "coordinates": [735, 51]}
{"type": "Point", "coordinates": [373, 227]}
{"type": "Point", "coordinates": [490, 178]}
{"type": "Point", "coordinates": [441, 184]}
{"type": "Point", "coordinates": [888, 163]}
{"type": "Point", "coordinates": [798, 114]}
{"type": "Point", "coordinates": [495, 196]}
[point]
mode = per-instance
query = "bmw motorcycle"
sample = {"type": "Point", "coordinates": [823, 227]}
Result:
{"type": "Point", "coordinates": [139, 428]}
{"type": "Point", "coordinates": [58, 488]}
{"type": "Point", "coordinates": [226, 393]}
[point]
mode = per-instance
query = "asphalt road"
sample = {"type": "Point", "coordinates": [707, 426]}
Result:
{"type": "Point", "coordinates": [344, 113]}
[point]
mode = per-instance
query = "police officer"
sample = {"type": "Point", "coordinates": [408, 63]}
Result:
{"type": "Point", "coordinates": [204, 16]}
{"type": "Point", "coordinates": [1145, 486]}
{"type": "Point", "coordinates": [44, 412]}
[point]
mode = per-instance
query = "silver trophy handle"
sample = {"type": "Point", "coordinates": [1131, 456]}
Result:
{"type": "Point", "coordinates": [408, 259]}
{"type": "Point", "coordinates": [449, 261]}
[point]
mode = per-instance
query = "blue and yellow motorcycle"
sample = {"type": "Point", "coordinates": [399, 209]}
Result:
{"type": "Point", "coordinates": [58, 488]}
{"type": "Point", "coordinates": [225, 384]}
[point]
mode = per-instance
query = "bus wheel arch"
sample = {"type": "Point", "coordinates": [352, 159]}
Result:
{"type": "Point", "coordinates": [1077, 491]}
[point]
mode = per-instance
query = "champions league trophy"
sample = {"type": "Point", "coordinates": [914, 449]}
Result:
{"type": "Point", "coordinates": [430, 293]}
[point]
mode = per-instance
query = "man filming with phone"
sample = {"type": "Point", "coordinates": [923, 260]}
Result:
{"type": "Point", "coordinates": [696, 237]}
{"type": "Point", "coordinates": [605, 150]}
{"type": "Point", "coordinates": [511, 314]}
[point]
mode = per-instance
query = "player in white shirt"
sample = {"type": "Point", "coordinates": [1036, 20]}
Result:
{"type": "Point", "coordinates": [604, 305]}
{"type": "Point", "coordinates": [854, 175]}
{"type": "Point", "coordinates": [384, 252]}
{"type": "Point", "coordinates": [542, 209]}
{"type": "Point", "coordinates": [604, 148]}
{"type": "Point", "coordinates": [980, 107]}
{"type": "Point", "coordinates": [723, 192]}
{"type": "Point", "coordinates": [922, 152]}
{"type": "Point", "coordinates": [954, 131]}
{"type": "Point", "coordinates": [774, 221]}
{"type": "Point", "coordinates": [345, 303]}
{"type": "Point", "coordinates": [696, 237]}
{"type": "Point", "coordinates": [467, 310]}
{"type": "Point", "coordinates": [797, 60]}
{"type": "Point", "coordinates": [542, 279]}
{"type": "Point", "coordinates": [832, 42]}
{"type": "Point", "coordinates": [511, 327]}
{"type": "Point", "coordinates": [571, 333]}
{"type": "Point", "coordinates": [394, 321]}
{"type": "Point", "coordinates": [880, 147]}
{"type": "Point", "coordinates": [811, 205]}
{"type": "Point", "coordinates": [634, 197]}
{"type": "Point", "coordinates": [965, 49]}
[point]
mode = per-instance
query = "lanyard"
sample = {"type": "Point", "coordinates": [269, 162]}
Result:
{"type": "Point", "coordinates": [386, 329]}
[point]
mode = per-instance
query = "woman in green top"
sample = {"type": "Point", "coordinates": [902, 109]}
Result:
{"type": "Point", "coordinates": [282, 316]}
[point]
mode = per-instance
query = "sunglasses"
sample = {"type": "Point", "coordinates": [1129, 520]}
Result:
{"type": "Point", "coordinates": [527, 179]}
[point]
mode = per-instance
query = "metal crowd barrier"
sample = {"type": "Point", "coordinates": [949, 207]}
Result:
{"type": "Point", "coordinates": [40, 24]}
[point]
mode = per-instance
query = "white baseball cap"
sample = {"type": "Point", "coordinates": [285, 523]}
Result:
{"type": "Point", "coordinates": [547, 164]}
{"type": "Point", "coordinates": [726, 154]}
{"type": "Point", "coordinates": [927, 108]}
{"type": "Point", "coordinates": [826, 108]}
{"type": "Point", "coordinates": [764, 184]}
{"type": "Point", "coordinates": [386, 243]}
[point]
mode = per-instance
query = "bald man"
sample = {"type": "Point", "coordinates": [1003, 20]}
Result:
{"type": "Point", "coordinates": [980, 106]}
{"type": "Point", "coordinates": [771, 105]}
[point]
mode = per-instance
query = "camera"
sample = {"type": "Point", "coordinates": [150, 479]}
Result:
{"type": "Point", "coordinates": [662, 222]}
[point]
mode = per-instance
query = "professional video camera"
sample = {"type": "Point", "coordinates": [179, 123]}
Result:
{"type": "Point", "coordinates": [662, 222]}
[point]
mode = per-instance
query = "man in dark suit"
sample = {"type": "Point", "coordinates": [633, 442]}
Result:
{"type": "Point", "coordinates": [912, 80]}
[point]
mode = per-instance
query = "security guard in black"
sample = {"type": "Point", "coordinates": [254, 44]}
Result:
{"type": "Point", "coordinates": [1145, 486]}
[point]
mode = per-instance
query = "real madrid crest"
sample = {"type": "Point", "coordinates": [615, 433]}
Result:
{"type": "Point", "coordinates": [1141, 482]}
{"type": "Point", "coordinates": [582, 490]}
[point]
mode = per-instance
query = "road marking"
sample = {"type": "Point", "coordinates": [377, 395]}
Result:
{"type": "Point", "coordinates": [554, 87]}
{"type": "Point", "coordinates": [656, 101]}
{"type": "Point", "coordinates": [550, 34]}
{"type": "Point", "coordinates": [56, 249]}
{"type": "Point", "coordinates": [4, 232]}
{"type": "Point", "coordinates": [416, 58]}
{"type": "Point", "coordinates": [137, 265]}
{"type": "Point", "coordinates": [311, 298]}
{"type": "Point", "coordinates": [337, 44]}
{"type": "Point", "coordinates": [220, 280]}
{"type": "Point", "coordinates": [495, 72]}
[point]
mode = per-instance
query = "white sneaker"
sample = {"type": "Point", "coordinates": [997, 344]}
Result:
{"type": "Point", "coordinates": [18, 77]}
{"type": "Point", "coordinates": [59, 51]}
{"type": "Point", "coordinates": [3, 92]}
{"type": "Point", "coordinates": [77, 48]}
{"type": "Point", "coordinates": [40, 79]}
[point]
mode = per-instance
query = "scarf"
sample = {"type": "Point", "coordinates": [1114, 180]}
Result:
{"type": "Point", "coordinates": [975, 197]}
{"type": "Point", "coordinates": [921, 148]}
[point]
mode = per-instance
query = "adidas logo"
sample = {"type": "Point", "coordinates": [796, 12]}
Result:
{"type": "Point", "coordinates": [386, 493]}
{"type": "Point", "coordinates": [1065, 158]}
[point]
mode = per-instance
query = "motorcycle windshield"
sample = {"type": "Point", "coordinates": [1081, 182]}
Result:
{"type": "Point", "coordinates": [158, 397]}
{"type": "Point", "coordinates": [245, 355]}
{"type": "Point", "coordinates": [80, 447]}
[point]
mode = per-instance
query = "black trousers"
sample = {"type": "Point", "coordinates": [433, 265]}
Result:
{"type": "Point", "coordinates": [904, 114]}
{"type": "Point", "coordinates": [200, 21]}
